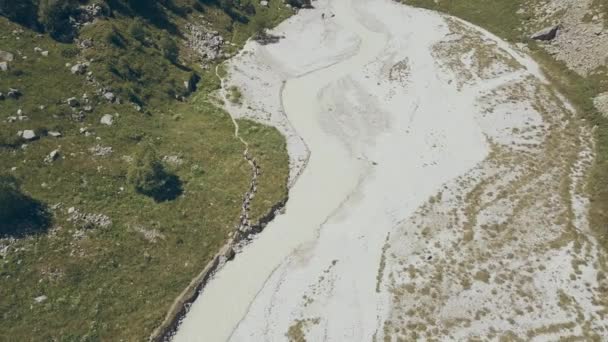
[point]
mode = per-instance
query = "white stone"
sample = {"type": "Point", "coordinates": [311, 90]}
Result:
{"type": "Point", "coordinates": [107, 120]}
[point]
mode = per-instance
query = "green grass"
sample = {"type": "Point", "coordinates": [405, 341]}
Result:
{"type": "Point", "coordinates": [501, 18]}
{"type": "Point", "coordinates": [114, 284]}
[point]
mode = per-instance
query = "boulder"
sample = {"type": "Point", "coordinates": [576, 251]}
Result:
{"type": "Point", "coordinates": [55, 134]}
{"type": "Point", "coordinates": [29, 135]}
{"type": "Point", "coordinates": [13, 93]}
{"type": "Point", "coordinates": [3, 66]}
{"type": "Point", "coordinates": [88, 109]}
{"type": "Point", "coordinates": [109, 96]}
{"type": "Point", "coordinates": [264, 3]}
{"type": "Point", "coordinates": [45, 53]}
{"type": "Point", "coordinates": [78, 69]}
{"type": "Point", "coordinates": [107, 120]}
{"type": "Point", "coordinates": [546, 34]}
{"type": "Point", "coordinates": [40, 299]}
{"type": "Point", "coordinates": [52, 156]}
{"type": "Point", "coordinates": [6, 56]}
{"type": "Point", "coordinates": [37, 49]}
{"type": "Point", "coordinates": [73, 102]}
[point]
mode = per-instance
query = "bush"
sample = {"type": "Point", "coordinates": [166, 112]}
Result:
{"type": "Point", "coordinates": [55, 16]}
{"type": "Point", "coordinates": [137, 31]}
{"type": "Point", "coordinates": [170, 49]}
{"type": "Point", "coordinates": [147, 174]}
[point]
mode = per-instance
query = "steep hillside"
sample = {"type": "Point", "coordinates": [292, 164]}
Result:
{"type": "Point", "coordinates": [120, 175]}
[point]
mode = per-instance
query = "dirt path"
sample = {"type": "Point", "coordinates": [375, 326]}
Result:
{"type": "Point", "coordinates": [427, 137]}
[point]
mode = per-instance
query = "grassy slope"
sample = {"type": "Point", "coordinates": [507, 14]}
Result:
{"type": "Point", "coordinates": [114, 284]}
{"type": "Point", "coordinates": [501, 18]}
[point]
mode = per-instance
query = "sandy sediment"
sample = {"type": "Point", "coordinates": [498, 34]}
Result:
{"type": "Point", "coordinates": [442, 197]}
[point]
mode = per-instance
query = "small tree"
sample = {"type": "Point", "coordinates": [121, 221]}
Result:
{"type": "Point", "coordinates": [20, 11]}
{"type": "Point", "coordinates": [137, 31]}
{"type": "Point", "coordinates": [55, 16]}
{"type": "Point", "coordinates": [147, 174]}
{"type": "Point", "coordinates": [260, 25]}
{"type": "Point", "coordinates": [170, 49]}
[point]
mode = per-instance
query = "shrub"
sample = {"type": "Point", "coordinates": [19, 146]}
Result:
{"type": "Point", "coordinates": [137, 31]}
{"type": "Point", "coordinates": [170, 49]}
{"type": "Point", "coordinates": [55, 16]}
{"type": "Point", "coordinates": [147, 174]}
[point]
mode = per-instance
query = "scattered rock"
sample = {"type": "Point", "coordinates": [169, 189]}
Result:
{"type": "Point", "coordinates": [264, 3]}
{"type": "Point", "coordinates": [3, 66]}
{"type": "Point", "coordinates": [37, 49]}
{"type": "Point", "coordinates": [78, 69]}
{"type": "Point", "coordinates": [45, 53]}
{"type": "Point", "coordinates": [87, 220]}
{"type": "Point", "coordinates": [73, 102]}
{"type": "Point", "coordinates": [107, 120]}
{"type": "Point", "coordinates": [79, 116]}
{"type": "Point", "coordinates": [88, 109]}
{"type": "Point", "coordinates": [101, 151]}
{"type": "Point", "coordinates": [601, 103]}
{"type": "Point", "coordinates": [52, 156]}
{"type": "Point", "coordinates": [29, 135]}
{"type": "Point", "coordinates": [151, 235]}
{"type": "Point", "coordinates": [208, 44]}
{"type": "Point", "coordinates": [174, 160]}
{"type": "Point", "coordinates": [6, 56]}
{"type": "Point", "coordinates": [548, 33]}
{"type": "Point", "coordinates": [40, 299]}
{"type": "Point", "coordinates": [55, 134]}
{"type": "Point", "coordinates": [109, 96]}
{"type": "Point", "coordinates": [13, 93]}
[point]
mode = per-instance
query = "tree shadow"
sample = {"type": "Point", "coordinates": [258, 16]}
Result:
{"type": "Point", "coordinates": [151, 11]}
{"type": "Point", "coordinates": [171, 189]}
{"type": "Point", "coordinates": [26, 216]}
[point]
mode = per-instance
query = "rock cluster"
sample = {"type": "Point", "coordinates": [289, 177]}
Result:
{"type": "Point", "coordinates": [581, 41]}
{"type": "Point", "coordinates": [100, 151]}
{"type": "Point", "coordinates": [208, 44]}
{"type": "Point", "coordinates": [88, 220]}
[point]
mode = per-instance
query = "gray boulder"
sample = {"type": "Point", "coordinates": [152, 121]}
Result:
{"type": "Point", "coordinates": [40, 299]}
{"type": "Point", "coordinates": [107, 120]}
{"type": "Point", "coordinates": [546, 34]}
{"type": "Point", "coordinates": [3, 66]}
{"type": "Point", "coordinates": [52, 156]}
{"type": "Point", "coordinates": [29, 135]}
{"type": "Point", "coordinates": [78, 69]}
{"type": "Point", "coordinates": [55, 134]}
{"type": "Point", "coordinates": [6, 56]}
{"type": "Point", "coordinates": [109, 96]}
{"type": "Point", "coordinates": [13, 93]}
{"type": "Point", "coordinates": [73, 102]}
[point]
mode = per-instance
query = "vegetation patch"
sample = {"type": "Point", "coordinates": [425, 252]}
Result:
{"type": "Point", "coordinates": [120, 178]}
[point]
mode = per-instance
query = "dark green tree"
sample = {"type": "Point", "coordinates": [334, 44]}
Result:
{"type": "Point", "coordinates": [55, 16]}
{"type": "Point", "coordinates": [147, 174]}
{"type": "Point", "coordinates": [20, 11]}
{"type": "Point", "coordinates": [170, 49]}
